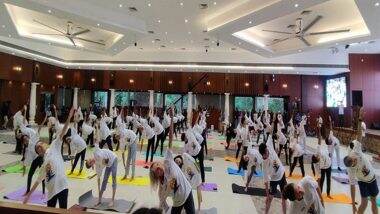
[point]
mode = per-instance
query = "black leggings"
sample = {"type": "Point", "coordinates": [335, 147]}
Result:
{"type": "Point", "coordinates": [300, 160]}
{"type": "Point", "coordinates": [204, 144]}
{"type": "Point", "coordinates": [285, 147]}
{"type": "Point", "coordinates": [188, 206]}
{"type": "Point", "coordinates": [36, 163]}
{"type": "Point", "coordinates": [61, 198]}
{"type": "Point", "coordinates": [160, 137]}
{"type": "Point", "coordinates": [108, 140]}
{"type": "Point", "coordinates": [151, 148]}
{"type": "Point", "coordinates": [238, 149]}
{"type": "Point", "coordinates": [80, 155]}
{"type": "Point", "coordinates": [258, 136]}
{"type": "Point", "coordinates": [90, 139]}
{"type": "Point", "coordinates": [200, 156]}
{"type": "Point", "coordinates": [327, 173]}
{"type": "Point", "coordinates": [51, 133]}
{"type": "Point", "coordinates": [243, 163]}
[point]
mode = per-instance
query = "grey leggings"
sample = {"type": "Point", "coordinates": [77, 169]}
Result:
{"type": "Point", "coordinates": [108, 170]}
{"type": "Point", "coordinates": [131, 158]}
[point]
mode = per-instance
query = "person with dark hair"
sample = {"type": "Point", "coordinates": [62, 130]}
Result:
{"type": "Point", "coordinates": [145, 210]}
{"type": "Point", "coordinates": [259, 126]}
{"type": "Point", "coordinates": [53, 169]}
{"type": "Point", "coordinates": [333, 144]}
{"type": "Point", "coordinates": [150, 135]}
{"type": "Point", "coordinates": [230, 134]}
{"type": "Point", "coordinates": [107, 160]}
{"type": "Point", "coordinates": [321, 167]}
{"type": "Point", "coordinates": [19, 119]}
{"type": "Point", "coordinates": [193, 147]}
{"type": "Point", "coordinates": [159, 131]}
{"type": "Point", "coordinates": [244, 140]}
{"type": "Point", "coordinates": [104, 131]}
{"type": "Point", "coordinates": [280, 139]}
{"type": "Point", "coordinates": [87, 133]}
{"type": "Point", "coordinates": [254, 161]}
{"type": "Point", "coordinates": [79, 146]}
{"type": "Point", "coordinates": [128, 141]}
{"type": "Point", "coordinates": [360, 170]}
{"type": "Point", "coordinates": [297, 154]}
{"type": "Point", "coordinates": [5, 113]}
{"type": "Point", "coordinates": [305, 197]}
{"type": "Point", "coordinates": [274, 173]}
{"type": "Point", "coordinates": [191, 171]}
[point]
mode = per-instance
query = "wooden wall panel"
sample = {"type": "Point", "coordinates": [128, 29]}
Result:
{"type": "Point", "coordinates": [312, 98]}
{"type": "Point", "coordinates": [7, 64]}
{"type": "Point", "coordinates": [15, 91]}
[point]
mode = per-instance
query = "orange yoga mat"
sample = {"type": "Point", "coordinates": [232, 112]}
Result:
{"type": "Point", "coordinates": [231, 159]}
{"type": "Point", "coordinates": [340, 198]}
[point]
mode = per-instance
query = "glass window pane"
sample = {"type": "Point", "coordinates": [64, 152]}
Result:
{"type": "Point", "coordinates": [121, 98]}
{"type": "Point", "coordinates": [100, 98]}
{"type": "Point", "coordinates": [275, 104]}
{"type": "Point", "coordinates": [244, 103]}
{"type": "Point", "coordinates": [158, 100]}
{"type": "Point", "coordinates": [171, 98]}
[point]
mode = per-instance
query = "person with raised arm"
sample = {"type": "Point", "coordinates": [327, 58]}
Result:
{"type": "Point", "coordinates": [53, 169]}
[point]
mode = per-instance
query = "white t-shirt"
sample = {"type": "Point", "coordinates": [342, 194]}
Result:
{"type": "Point", "coordinates": [295, 145]}
{"type": "Point", "coordinates": [77, 143]}
{"type": "Point", "coordinates": [30, 151]}
{"type": "Point", "coordinates": [363, 171]}
{"type": "Point", "coordinates": [104, 130]}
{"type": "Point", "coordinates": [363, 128]}
{"type": "Point", "coordinates": [281, 138]}
{"type": "Point", "coordinates": [255, 158]}
{"type": "Point", "coordinates": [273, 168]}
{"type": "Point", "coordinates": [191, 170]}
{"type": "Point", "coordinates": [341, 109]}
{"type": "Point", "coordinates": [103, 158]}
{"type": "Point", "coordinates": [18, 120]}
{"type": "Point", "coordinates": [324, 159]}
{"type": "Point", "coordinates": [127, 138]}
{"type": "Point", "coordinates": [173, 172]}
{"type": "Point", "coordinates": [192, 146]}
{"type": "Point", "coordinates": [148, 132]}
{"type": "Point", "coordinates": [86, 130]}
{"type": "Point", "coordinates": [158, 128]}
{"type": "Point", "coordinates": [310, 198]}
{"type": "Point", "coordinates": [56, 180]}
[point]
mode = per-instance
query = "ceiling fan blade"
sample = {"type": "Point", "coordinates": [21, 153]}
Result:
{"type": "Point", "coordinates": [80, 32]}
{"type": "Point", "coordinates": [72, 41]}
{"type": "Point", "coordinates": [304, 41]}
{"type": "Point", "coordinates": [49, 34]}
{"type": "Point", "coordinates": [48, 26]}
{"type": "Point", "coordinates": [86, 40]}
{"type": "Point", "coordinates": [278, 41]}
{"type": "Point", "coordinates": [312, 23]}
{"type": "Point", "coordinates": [275, 31]}
{"type": "Point", "coordinates": [328, 32]}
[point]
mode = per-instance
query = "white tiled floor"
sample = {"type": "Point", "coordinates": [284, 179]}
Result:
{"type": "Point", "coordinates": [224, 200]}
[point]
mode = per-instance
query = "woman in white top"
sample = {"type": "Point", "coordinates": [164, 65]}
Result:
{"type": "Point", "coordinates": [78, 145]}
{"type": "Point", "coordinates": [128, 140]}
{"type": "Point", "coordinates": [149, 133]}
{"type": "Point", "coordinates": [191, 171]}
{"type": "Point", "coordinates": [18, 120]}
{"type": "Point", "coordinates": [302, 132]}
{"type": "Point", "coordinates": [160, 133]}
{"type": "Point", "coordinates": [193, 147]}
{"type": "Point", "coordinates": [305, 197]}
{"type": "Point", "coordinates": [104, 159]}
{"type": "Point", "coordinates": [245, 138]}
{"type": "Point", "coordinates": [53, 170]}
{"type": "Point", "coordinates": [297, 154]}
{"type": "Point", "coordinates": [87, 133]}
{"type": "Point", "coordinates": [255, 160]}
{"type": "Point", "coordinates": [104, 131]}
{"type": "Point", "coordinates": [321, 166]}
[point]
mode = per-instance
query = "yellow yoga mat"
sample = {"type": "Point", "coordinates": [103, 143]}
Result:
{"type": "Point", "coordinates": [297, 176]}
{"type": "Point", "coordinates": [137, 181]}
{"type": "Point", "coordinates": [83, 175]}
{"type": "Point", "coordinates": [337, 198]}
{"type": "Point", "coordinates": [230, 159]}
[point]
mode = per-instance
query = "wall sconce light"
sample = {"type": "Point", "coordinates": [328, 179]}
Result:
{"type": "Point", "coordinates": [208, 83]}
{"type": "Point", "coordinates": [17, 68]}
{"type": "Point", "coordinates": [316, 86]}
{"type": "Point", "coordinates": [285, 85]}
{"type": "Point", "coordinates": [170, 82]}
{"type": "Point", "coordinates": [60, 76]}
{"type": "Point", "coordinates": [246, 84]}
{"type": "Point", "coordinates": [131, 81]}
{"type": "Point", "coordinates": [10, 82]}
{"type": "Point", "coordinates": [93, 80]}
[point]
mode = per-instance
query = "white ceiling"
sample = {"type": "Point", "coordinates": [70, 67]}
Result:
{"type": "Point", "coordinates": [179, 25]}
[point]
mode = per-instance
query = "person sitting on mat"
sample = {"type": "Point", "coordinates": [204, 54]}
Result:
{"type": "Point", "coordinates": [360, 170]}
{"type": "Point", "coordinates": [53, 169]}
{"type": "Point", "coordinates": [254, 160]}
{"type": "Point", "coordinates": [128, 140]}
{"type": "Point", "coordinates": [297, 154]}
{"type": "Point", "coordinates": [321, 167]}
{"type": "Point", "coordinates": [305, 197]}
{"type": "Point", "coordinates": [104, 158]}
{"type": "Point", "coordinates": [191, 170]}
{"type": "Point", "coordinates": [274, 173]}
{"type": "Point", "coordinates": [79, 146]}
{"type": "Point", "coordinates": [29, 139]}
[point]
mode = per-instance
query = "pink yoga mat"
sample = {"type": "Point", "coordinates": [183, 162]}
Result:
{"type": "Point", "coordinates": [211, 187]}
{"type": "Point", "coordinates": [36, 198]}
{"type": "Point", "coordinates": [142, 163]}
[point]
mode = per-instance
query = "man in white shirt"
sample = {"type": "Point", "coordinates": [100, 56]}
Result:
{"type": "Point", "coordinates": [254, 160]}
{"type": "Point", "coordinates": [305, 197]}
{"type": "Point", "coordinates": [128, 140]}
{"type": "Point", "coordinates": [53, 170]}
{"type": "Point", "coordinates": [104, 159]}
{"type": "Point", "coordinates": [360, 170]}
{"type": "Point", "coordinates": [274, 173]}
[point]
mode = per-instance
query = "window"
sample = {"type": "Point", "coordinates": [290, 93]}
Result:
{"type": "Point", "coordinates": [101, 98]}
{"type": "Point", "coordinates": [275, 104]}
{"type": "Point", "coordinates": [122, 98]}
{"type": "Point", "coordinates": [244, 103]}
{"type": "Point", "coordinates": [171, 98]}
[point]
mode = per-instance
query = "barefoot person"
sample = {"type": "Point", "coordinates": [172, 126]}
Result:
{"type": "Point", "coordinates": [79, 146]}
{"type": "Point", "coordinates": [254, 160]}
{"type": "Point", "coordinates": [128, 141]}
{"type": "Point", "coordinates": [53, 170]}
{"type": "Point", "coordinates": [104, 159]}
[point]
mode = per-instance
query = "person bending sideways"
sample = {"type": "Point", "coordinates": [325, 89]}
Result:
{"type": "Point", "coordinates": [274, 173]}
{"type": "Point", "coordinates": [191, 170]}
{"type": "Point", "coordinates": [53, 170]}
{"type": "Point", "coordinates": [255, 160]}
{"type": "Point", "coordinates": [104, 158]}
{"type": "Point", "coordinates": [360, 169]}
{"type": "Point", "coordinates": [305, 197]}
{"type": "Point", "coordinates": [79, 146]}
{"type": "Point", "coordinates": [321, 167]}
{"type": "Point", "coordinates": [128, 141]}
{"type": "Point", "coordinates": [171, 182]}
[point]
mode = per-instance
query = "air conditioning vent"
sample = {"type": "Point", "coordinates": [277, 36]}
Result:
{"type": "Point", "coordinates": [151, 31]}
{"type": "Point", "coordinates": [132, 9]}
{"type": "Point", "coordinates": [305, 12]}
{"type": "Point", "coordinates": [203, 6]}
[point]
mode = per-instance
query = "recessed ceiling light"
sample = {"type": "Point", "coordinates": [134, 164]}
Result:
{"type": "Point", "coordinates": [336, 43]}
{"type": "Point", "coordinates": [49, 43]}
{"type": "Point", "coordinates": [120, 5]}
{"type": "Point", "coordinates": [186, 20]}
{"type": "Point", "coordinates": [377, 4]}
{"type": "Point", "coordinates": [229, 71]}
{"type": "Point", "coordinates": [181, 3]}
{"type": "Point", "coordinates": [300, 50]}
{"type": "Point", "coordinates": [189, 32]}
{"type": "Point", "coordinates": [98, 24]}
{"type": "Point", "coordinates": [3, 26]}
{"type": "Point", "coordinates": [49, 11]}
{"type": "Point", "coordinates": [149, 4]}
{"type": "Point", "coordinates": [214, 2]}
{"type": "Point", "coordinates": [152, 41]}
{"type": "Point", "coordinates": [257, 50]}
{"type": "Point", "coordinates": [13, 53]}
{"type": "Point", "coordinates": [250, 22]}
{"type": "Point", "coordinates": [296, 5]}
{"type": "Point", "coordinates": [166, 33]}
{"type": "Point", "coordinates": [159, 21]}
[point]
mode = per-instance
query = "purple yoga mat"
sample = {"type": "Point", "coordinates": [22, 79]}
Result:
{"type": "Point", "coordinates": [36, 198]}
{"type": "Point", "coordinates": [211, 187]}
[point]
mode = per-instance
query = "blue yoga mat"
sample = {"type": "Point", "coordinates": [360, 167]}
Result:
{"type": "Point", "coordinates": [233, 171]}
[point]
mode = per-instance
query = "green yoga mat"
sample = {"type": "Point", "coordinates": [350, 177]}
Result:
{"type": "Point", "coordinates": [13, 169]}
{"type": "Point", "coordinates": [208, 168]}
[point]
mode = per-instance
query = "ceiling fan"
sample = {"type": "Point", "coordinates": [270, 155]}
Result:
{"type": "Point", "coordinates": [72, 36]}
{"type": "Point", "coordinates": [301, 32]}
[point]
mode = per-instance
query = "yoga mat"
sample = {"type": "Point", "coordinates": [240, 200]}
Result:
{"type": "Point", "coordinates": [337, 198]}
{"type": "Point", "coordinates": [297, 176]}
{"type": "Point", "coordinates": [36, 198]}
{"type": "Point", "coordinates": [208, 168]}
{"type": "Point", "coordinates": [252, 191]}
{"type": "Point", "coordinates": [83, 175]}
{"type": "Point", "coordinates": [14, 169]}
{"type": "Point", "coordinates": [137, 181]}
{"type": "Point", "coordinates": [208, 211]}
{"type": "Point", "coordinates": [155, 155]}
{"type": "Point", "coordinates": [120, 205]}
{"type": "Point", "coordinates": [209, 187]}
{"type": "Point", "coordinates": [344, 171]}
{"type": "Point", "coordinates": [231, 159]}
{"type": "Point", "coordinates": [233, 171]}
{"type": "Point", "coordinates": [142, 163]}
{"type": "Point", "coordinates": [341, 178]}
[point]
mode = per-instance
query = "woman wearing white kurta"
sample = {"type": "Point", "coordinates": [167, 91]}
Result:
{"type": "Point", "coordinates": [191, 171]}
{"type": "Point", "coordinates": [128, 140]}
